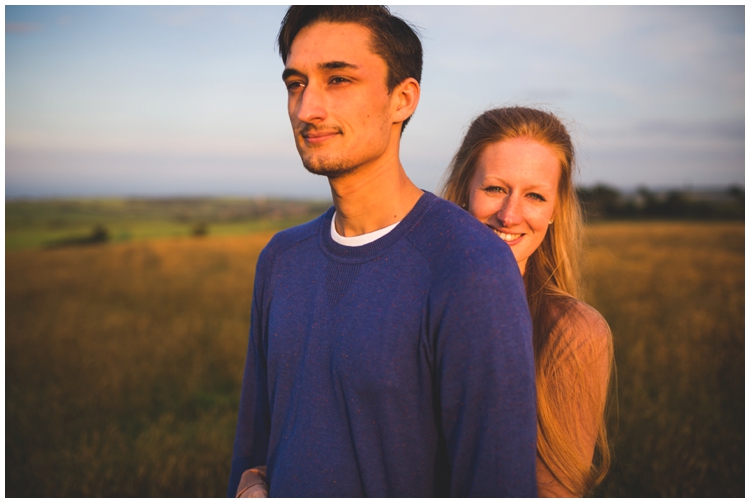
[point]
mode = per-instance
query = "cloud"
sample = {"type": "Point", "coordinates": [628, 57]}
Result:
{"type": "Point", "coordinates": [720, 136]}
{"type": "Point", "coordinates": [550, 94]}
{"type": "Point", "coordinates": [69, 174]}
{"type": "Point", "coordinates": [722, 129]}
{"type": "Point", "coordinates": [581, 26]}
{"type": "Point", "coordinates": [20, 27]}
{"type": "Point", "coordinates": [175, 16]}
{"type": "Point", "coordinates": [203, 16]}
{"type": "Point", "coordinates": [695, 33]}
{"type": "Point", "coordinates": [655, 167]}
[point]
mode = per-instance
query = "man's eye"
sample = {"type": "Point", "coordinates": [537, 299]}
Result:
{"type": "Point", "coordinates": [338, 80]}
{"type": "Point", "coordinates": [294, 85]}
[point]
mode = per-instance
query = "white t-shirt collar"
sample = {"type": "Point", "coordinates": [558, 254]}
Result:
{"type": "Point", "coordinates": [362, 239]}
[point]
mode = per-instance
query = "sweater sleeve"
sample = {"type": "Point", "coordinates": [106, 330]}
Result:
{"type": "Point", "coordinates": [575, 389]}
{"type": "Point", "coordinates": [253, 423]}
{"type": "Point", "coordinates": [485, 378]}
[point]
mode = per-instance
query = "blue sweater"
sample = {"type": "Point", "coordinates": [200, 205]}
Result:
{"type": "Point", "coordinates": [403, 367]}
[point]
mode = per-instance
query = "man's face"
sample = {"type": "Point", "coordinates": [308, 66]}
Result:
{"type": "Point", "coordinates": [339, 105]}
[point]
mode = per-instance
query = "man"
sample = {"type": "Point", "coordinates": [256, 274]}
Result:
{"type": "Point", "coordinates": [390, 345]}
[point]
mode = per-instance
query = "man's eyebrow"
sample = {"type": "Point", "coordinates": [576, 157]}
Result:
{"type": "Point", "coordinates": [290, 72]}
{"type": "Point", "coordinates": [329, 65]}
{"type": "Point", "coordinates": [335, 65]}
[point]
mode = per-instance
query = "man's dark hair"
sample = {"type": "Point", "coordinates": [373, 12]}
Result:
{"type": "Point", "coordinates": [393, 39]}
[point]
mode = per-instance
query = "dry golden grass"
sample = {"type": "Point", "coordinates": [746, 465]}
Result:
{"type": "Point", "coordinates": [123, 365]}
{"type": "Point", "coordinates": [674, 295]}
{"type": "Point", "coordinates": [124, 362]}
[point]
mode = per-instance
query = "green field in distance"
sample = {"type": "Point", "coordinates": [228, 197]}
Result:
{"type": "Point", "coordinates": [44, 223]}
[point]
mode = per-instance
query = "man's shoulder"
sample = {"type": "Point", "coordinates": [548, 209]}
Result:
{"type": "Point", "coordinates": [287, 239]}
{"type": "Point", "coordinates": [447, 234]}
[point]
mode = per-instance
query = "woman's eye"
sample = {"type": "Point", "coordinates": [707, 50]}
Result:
{"type": "Point", "coordinates": [493, 189]}
{"type": "Point", "coordinates": [538, 197]}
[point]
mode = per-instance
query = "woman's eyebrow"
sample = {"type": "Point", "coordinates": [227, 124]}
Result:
{"type": "Point", "coordinates": [497, 179]}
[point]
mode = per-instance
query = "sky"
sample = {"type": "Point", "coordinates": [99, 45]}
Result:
{"type": "Point", "coordinates": [188, 101]}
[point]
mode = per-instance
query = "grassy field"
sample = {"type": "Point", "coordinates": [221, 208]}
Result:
{"type": "Point", "coordinates": [124, 361]}
{"type": "Point", "coordinates": [33, 224]}
{"type": "Point", "coordinates": [674, 295]}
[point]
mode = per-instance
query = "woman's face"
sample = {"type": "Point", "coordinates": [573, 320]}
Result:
{"type": "Point", "coordinates": [513, 192]}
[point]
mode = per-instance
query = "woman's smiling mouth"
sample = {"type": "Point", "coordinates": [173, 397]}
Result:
{"type": "Point", "coordinates": [507, 237]}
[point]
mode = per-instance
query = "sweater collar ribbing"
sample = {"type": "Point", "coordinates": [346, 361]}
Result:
{"type": "Point", "coordinates": [358, 254]}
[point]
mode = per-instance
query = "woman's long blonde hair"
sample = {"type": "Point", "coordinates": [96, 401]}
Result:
{"type": "Point", "coordinates": [551, 276]}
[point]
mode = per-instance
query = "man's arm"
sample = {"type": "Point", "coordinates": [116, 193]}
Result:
{"type": "Point", "coordinates": [485, 375]}
{"type": "Point", "coordinates": [253, 423]}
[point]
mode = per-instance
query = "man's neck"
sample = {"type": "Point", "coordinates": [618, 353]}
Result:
{"type": "Point", "coordinates": [372, 198]}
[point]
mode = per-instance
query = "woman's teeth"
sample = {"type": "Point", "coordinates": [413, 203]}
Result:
{"type": "Point", "coordinates": [506, 237]}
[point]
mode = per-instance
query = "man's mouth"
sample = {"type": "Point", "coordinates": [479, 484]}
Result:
{"type": "Point", "coordinates": [319, 136]}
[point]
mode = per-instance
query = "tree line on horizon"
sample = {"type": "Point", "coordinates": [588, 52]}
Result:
{"type": "Point", "coordinates": [598, 202]}
{"type": "Point", "coordinates": [603, 202]}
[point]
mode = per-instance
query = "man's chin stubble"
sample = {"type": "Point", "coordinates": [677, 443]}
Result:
{"type": "Point", "coordinates": [328, 168]}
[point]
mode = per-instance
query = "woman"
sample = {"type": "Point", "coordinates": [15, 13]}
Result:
{"type": "Point", "coordinates": [513, 172]}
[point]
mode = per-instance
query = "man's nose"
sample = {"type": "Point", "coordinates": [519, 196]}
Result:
{"type": "Point", "coordinates": [509, 213]}
{"type": "Point", "coordinates": [311, 105]}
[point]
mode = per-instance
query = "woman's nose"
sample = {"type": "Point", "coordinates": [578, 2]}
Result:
{"type": "Point", "coordinates": [509, 213]}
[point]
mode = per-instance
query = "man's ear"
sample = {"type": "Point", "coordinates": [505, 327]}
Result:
{"type": "Point", "coordinates": [405, 99]}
